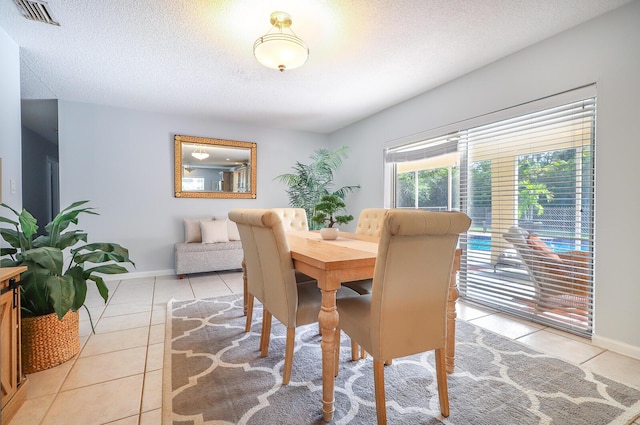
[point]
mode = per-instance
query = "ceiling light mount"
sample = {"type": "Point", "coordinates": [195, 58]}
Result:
{"type": "Point", "coordinates": [278, 49]}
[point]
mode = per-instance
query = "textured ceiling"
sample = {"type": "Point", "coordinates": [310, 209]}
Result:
{"type": "Point", "coordinates": [194, 57]}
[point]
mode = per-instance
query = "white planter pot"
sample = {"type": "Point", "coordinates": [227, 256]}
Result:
{"type": "Point", "coordinates": [329, 233]}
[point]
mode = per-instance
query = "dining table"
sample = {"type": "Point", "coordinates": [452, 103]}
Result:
{"type": "Point", "coordinates": [348, 258]}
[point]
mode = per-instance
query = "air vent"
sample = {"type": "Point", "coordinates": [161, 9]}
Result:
{"type": "Point", "coordinates": [36, 11]}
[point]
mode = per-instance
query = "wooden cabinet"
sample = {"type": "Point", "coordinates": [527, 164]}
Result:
{"type": "Point", "coordinates": [14, 390]}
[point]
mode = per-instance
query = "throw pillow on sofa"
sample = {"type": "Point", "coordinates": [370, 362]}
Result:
{"type": "Point", "coordinates": [192, 232]}
{"type": "Point", "coordinates": [214, 231]}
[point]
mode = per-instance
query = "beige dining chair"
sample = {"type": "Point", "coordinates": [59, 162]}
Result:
{"type": "Point", "coordinates": [405, 313]}
{"type": "Point", "coordinates": [369, 223]}
{"type": "Point", "coordinates": [292, 219]}
{"type": "Point", "coordinates": [293, 304]}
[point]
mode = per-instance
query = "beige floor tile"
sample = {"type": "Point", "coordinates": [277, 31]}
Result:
{"type": "Point", "coordinates": [85, 327]}
{"type": "Point", "coordinates": [562, 347]}
{"type": "Point", "coordinates": [49, 381]}
{"type": "Point", "coordinates": [114, 341]}
{"type": "Point", "coordinates": [105, 367]}
{"type": "Point", "coordinates": [131, 420]}
{"type": "Point", "coordinates": [158, 315]}
{"type": "Point", "coordinates": [506, 326]}
{"type": "Point", "coordinates": [126, 308]}
{"type": "Point", "coordinates": [155, 357]}
{"type": "Point", "coordinates": [153, 417]}
{"type": "Point", "coordinates": [213, 278]}
{"type": "Point", "coordinates": [617, 367]}
{"type": "Point", "coordinates": [152, 391]}
{"type": "Point", "coordinates": [179, 293]}
{"type": "Point", "coordinates": [469, 312]}
{"type": "Point", "coordinates": [96, 309]}
{"type": "Point", "coordinates": [157, 332]}
{"type": "Point", "coordinates": [126, 321]}
{"type": "Point", "coordinates": [97, 404]}
{"type": "Point", "coordinates": [32, 411]}
{"type": "Point", "coordinates": [210, 289]}
{"type": "Point", "coordinates": [139, 293]}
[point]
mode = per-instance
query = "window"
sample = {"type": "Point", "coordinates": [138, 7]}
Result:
{"type": "Point", "coordinates": [527, 183]}
{"type": "Point", "coordinates": [192, 183]}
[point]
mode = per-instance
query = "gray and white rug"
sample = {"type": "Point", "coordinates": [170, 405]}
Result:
{"type": "Point", "coordinates": [214, 375]}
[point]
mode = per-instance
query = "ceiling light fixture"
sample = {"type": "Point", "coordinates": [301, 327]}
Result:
{"type": "Point", "coordinates": [278, 50]}
{"type": "Point", "coordinates": [200, 154]}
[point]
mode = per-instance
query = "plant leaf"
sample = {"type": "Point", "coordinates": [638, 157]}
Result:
{"type": "Point", "coordinates": [108, 269]}
{"type": "Point", "coordinates": [79, 278]}
{"type": "Point", "coordinates": [46, 257]}
{"type": "Point", "coordinates": [28, 224]}
{"type": "Point", "coordinates": [102, 287]}
{"type": "Point", "coordinates": [61, 293]}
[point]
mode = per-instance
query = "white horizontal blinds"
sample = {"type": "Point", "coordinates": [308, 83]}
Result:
{"type": "Point", "coordinates": [531, 174]}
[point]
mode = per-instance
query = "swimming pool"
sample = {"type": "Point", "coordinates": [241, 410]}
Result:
{"type": "Point", "coordinates": [483, 243]}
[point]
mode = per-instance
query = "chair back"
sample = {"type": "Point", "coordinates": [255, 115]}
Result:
{"type": "Point", "coordinates": [292, 218]}
{"type": "Point", "coordinates": [411, 281]}
{"type": "Point", "coordinates": [272, 259]}
{"type": "Point", "coordinates": [517, 237]}
{"type": "Point", "coordinates": [243, 219]}
{"type": "Point", "coordinates": [370, 221]}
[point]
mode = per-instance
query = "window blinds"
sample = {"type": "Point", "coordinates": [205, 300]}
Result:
{"type": "Point", "coordinates": [529, 189]}
{"type": "Point", "coordinates": [527, 181]}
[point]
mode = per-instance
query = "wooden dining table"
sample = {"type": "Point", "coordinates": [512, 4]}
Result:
{"type": "Point", "coordinates": [348, 258]}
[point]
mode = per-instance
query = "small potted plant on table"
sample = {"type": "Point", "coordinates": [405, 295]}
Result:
{"type": "Point", "coordinates": [326, 212]}
{"type": "Point", "coordinates": [50, 294]}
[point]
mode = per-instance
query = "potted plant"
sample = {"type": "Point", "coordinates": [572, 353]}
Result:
{"type": "Point", "coordinates": [310, 182]}
{"type": "Point", "coordinates": [51, 294]}
{"type": "Point", "coordinates": [327, 212]}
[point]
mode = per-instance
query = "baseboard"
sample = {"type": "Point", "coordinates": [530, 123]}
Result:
{"type": "Point", "coordinates": [137, 275]}
{"type": "Point", "coordinates": [616, 346]}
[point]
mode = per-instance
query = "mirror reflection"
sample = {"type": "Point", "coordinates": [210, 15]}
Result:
{"type": "Point", "coordinates": [214, 168]}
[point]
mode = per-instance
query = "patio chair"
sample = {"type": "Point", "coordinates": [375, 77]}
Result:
{"type": "Point", "coordinates": [558, 278]}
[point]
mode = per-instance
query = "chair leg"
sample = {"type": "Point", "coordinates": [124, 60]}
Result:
{"type": "Point", "coordinates": [288, 355]}
{"type": "Point", "coordinates": [378, 382]}
{"type": "Point", "coordinates": [247, 326]}
{"type": "Point", "coordinates": [266, 333]}
{"type": "Point", "coordinates": [441, 374]}
{"type": "Point", "coordinates": [355, 351]}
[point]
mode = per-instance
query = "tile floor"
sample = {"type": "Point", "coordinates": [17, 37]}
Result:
{"type": "Point", "coordinates": [117, 377]}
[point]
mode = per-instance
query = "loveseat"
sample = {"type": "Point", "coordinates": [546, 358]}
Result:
{"type": "Point", "coordinates": [211, 244]}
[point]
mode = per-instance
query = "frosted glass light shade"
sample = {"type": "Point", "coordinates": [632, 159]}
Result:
{"type": "Point", "coordinates": [280, 51]}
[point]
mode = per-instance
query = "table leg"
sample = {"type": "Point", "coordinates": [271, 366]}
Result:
{"type": "Point", "coordinates": [328, 318]}
{"type": "Point", "coordinates": [450, 342]}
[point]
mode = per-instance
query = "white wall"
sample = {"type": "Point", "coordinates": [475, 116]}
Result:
{"type": "Point", "coordinates": [10, 127]}
{"type": "Point", "coordinates": [605, 51]}
{"type": "Point", "coordinates": [122, 161]}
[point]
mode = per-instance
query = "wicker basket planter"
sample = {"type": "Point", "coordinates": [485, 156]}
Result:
{"type": "Point", "coordinates": [48, 342]}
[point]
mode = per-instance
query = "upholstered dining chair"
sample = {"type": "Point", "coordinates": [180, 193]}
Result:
{"type": "Point", "coordinates": [292, 219]}
{"type": "Point", "coordinates": [370, 223]}
{"type": "Point", "coordinates": [561, 277]}
{"type": "Point", "coordinates": [293, 304]}
{"type": "Point", "coordinates": [405, 313]}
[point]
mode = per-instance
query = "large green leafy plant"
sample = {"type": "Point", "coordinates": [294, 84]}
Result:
{"type": "Point", "coordinates": [308, 183]}
{"type": "Point", "coordinates": [47, 286]}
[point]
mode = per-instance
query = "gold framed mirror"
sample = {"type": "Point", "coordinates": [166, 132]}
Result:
{"type": "Point", "coordinates": [214, 168]}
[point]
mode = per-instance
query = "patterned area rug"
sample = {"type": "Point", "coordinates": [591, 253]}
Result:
{"type": "Point", "coordinates": [214, 375]}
